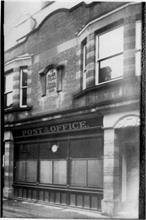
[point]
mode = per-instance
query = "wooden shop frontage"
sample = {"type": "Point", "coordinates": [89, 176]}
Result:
{"type": "Point", "coordinates": [60, 161]}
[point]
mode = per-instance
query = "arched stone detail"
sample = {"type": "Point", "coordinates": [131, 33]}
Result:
{"type": "Point", "coordinates": [131, 120]}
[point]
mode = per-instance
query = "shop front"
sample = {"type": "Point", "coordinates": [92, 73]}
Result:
{"type": "Point", "coordinates": [60, 161]}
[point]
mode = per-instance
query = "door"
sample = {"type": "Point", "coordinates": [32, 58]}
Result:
{"type": "Point", "coordinates": [129, 165]}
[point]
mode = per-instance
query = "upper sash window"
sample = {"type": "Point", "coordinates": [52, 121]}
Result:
{"type": "Point", "coordinates": [84, 63]}
{"type": "Point", "coordinates": [8, 90]}
{"type": "Point", "coordinates": [109, 55]}
{"type": "Point", "coordinates": [138, 48]}
{"type": "Point", "coordinates": [23, 86]}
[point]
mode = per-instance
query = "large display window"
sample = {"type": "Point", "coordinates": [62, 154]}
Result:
{"type": "Point", "coordinates": [74, 162]}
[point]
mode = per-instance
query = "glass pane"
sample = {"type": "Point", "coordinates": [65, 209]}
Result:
{"type": "Point", "coordinates": [95, 173]}
{"type": "Point", "coordinates": [20, 170]}
{"type": "Point", "coordinates": [24, 77]}
{"type": "Point", "coordinates": [9, 99]}
{"type": "Point", "coordinates": [80, 148]}
{"type": "Point", "coordinates": [9, 83]}
{"type": "Point", "coordinates": [111, 42]}
{"type": "Point", "coordinates": [78, 172]}
{"type": "Point", "coordinates": [138, 35]}
{"type": "Point", "coordinates": [111, 68]}
{"type": "Point", "coordinates": [138, 63]}
{"type": "Point", "coordinates": [45, 171]}
{"type": "Point", "coordinates": [84, 56]}
{"type": "Point", "coordinates": [60, 169]}
{"type": "Point", "coordinates": [46, 152]}
{"type": "Point", "coordinates": [24, 96]}
{"type": "Point", "coordinates": [31, 168]}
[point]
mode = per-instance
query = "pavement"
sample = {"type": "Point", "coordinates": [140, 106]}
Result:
{"type": "Point", "coordinates": [27, 209]}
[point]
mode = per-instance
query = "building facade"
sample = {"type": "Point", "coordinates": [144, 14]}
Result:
{"type": "Point", "coordinates": [72, 93]}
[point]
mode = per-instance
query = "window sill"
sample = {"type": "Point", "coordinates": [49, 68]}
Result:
{"type": "Point", "coordinates": [17, 109]}
{"type": "Point", "coordinates": [100, 86]}
{"type": "Point", "coordinates": [106, 85]}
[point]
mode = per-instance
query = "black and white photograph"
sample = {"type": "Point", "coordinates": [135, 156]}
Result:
{"type": "Point", "coordinates": [74, 126]}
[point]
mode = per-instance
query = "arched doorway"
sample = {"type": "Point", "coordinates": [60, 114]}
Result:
{"type": "Point", "coordinates": [127, 132]}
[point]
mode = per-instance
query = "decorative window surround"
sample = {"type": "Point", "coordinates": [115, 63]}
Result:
{"type": "Point", "coordinates": [51, 79]}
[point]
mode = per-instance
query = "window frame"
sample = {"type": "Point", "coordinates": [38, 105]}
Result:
{"type": "Point", "coordinates": [105, 30]}
{"type": "Point", "coordinates": [84, 62]}
{"type": "Point", "coordinates": [138, 50]}
{"type": "Point", "coordinates": [21, 85]}
{"type": "Point", "coordinates": [10, 72]}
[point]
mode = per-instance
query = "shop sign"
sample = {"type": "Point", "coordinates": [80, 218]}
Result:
{"type": "Point", "coordinates": [59, 128]}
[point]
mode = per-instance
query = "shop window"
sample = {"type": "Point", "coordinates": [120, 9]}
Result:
{"type": "Point", "coordinates": [109, 55]}
{"type": "Point", "coordinates": [60, 171]}
{"type": "Point", "coordinates": [26, 163]}
{"type": "Point", "coordinates": [95, 173]}
{"type": "Point", "coordinates": [138, 47]}
{"type": "Point", "coordinates": [53, 171]}
{"type": "Point", "coordinates": [86, 165]}
{"type": "Point", "coordinates": [8, 89]}
{"type": "Point", "coordinates": [46, 171]}
{"type": "Point", "coordinates": [23, 86]}
{"type": "Point", "coordinates": [86, 173]}
{"type": "Point", "coordinates": [84, 63]}
{"type": "Point", "coordinates": [53, 165]}
{"type": "Point", "coordinates": [78, 172]}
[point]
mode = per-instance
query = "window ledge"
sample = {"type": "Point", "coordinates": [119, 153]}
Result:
{"type": "Point", "coordinates": [97, 87]}
{"type": "Point", "coordinates": [105, 85]}
{"type": "Point", "coordinates": [17, 109]}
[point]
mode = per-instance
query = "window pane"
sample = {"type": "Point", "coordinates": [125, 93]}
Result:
{"type": "Point", "coordinates": [79, 148]}
{"type": "Point", "coordinates": [9, 83]}
{"type": "Point", "coordinates": [45, 171]}
{"type": "Point", "coordinates": [78, 172]}
{"type": "Point", "coordinates": [24, 77]}
{"type": "Point", "coordinates": [20, 170]}
{"type": "Point", "coordinates": [111, 42]}
{"type": "Point", "coordinates": [95, 173]}
{"type": "Point", "coordinates": [138, 63]}
{"type": "Point", "coordinates": [84, 57]}
{"type": "Point", "coordinates": [111, 68]}
{"type": "Point", "coordinates": [24, 96]}
{"type": "Point", "coordinates": [31, 168]}
{"type": "Point", "coordinates": [60, 169]}
{"type": "Point", "coordinates": [9, 99]}
{"type": "Point", "coordinates": [138, 35]}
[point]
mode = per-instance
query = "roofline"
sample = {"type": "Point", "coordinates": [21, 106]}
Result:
{"type": "Point", "coordinates": [105, 15]}
{"type": "Point", "coordinates": [49, 15]}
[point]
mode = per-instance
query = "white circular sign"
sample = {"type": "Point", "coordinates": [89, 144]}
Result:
{"type": "Point", "coordinates": [54, 148]}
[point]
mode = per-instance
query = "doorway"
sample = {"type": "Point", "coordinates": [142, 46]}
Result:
{"type": "Point", "coordinates": [129, 170]}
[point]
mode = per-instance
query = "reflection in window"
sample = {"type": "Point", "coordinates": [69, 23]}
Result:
{"type": "Point", "coordinates": [109, 55]}
{"type": "Point", "coordinates": [138, 48]}
{"type": "Point", "coordinates": [8, 89]}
